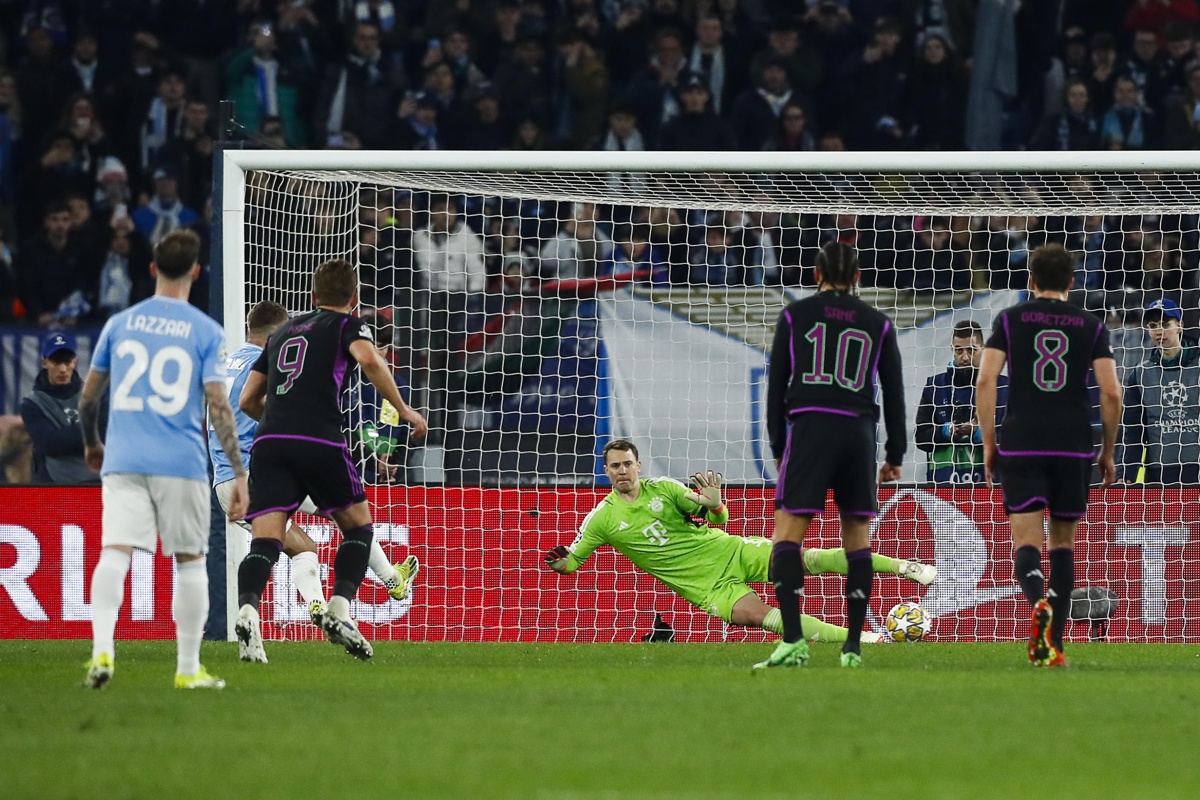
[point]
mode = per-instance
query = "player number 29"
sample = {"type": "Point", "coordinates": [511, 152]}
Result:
{"type": "Point", "coordinates": [169, 395]}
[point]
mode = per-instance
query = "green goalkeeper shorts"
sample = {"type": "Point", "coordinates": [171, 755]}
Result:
{"type": "Point", "coordinates": [749, 565]}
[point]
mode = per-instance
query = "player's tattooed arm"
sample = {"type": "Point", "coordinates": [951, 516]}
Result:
{"type": "Point", "coordinates": [89, 413]}
{"type": "Point", "coordinates": [89, 406]}
{"type": "Point", "coordinates": [223, 422]}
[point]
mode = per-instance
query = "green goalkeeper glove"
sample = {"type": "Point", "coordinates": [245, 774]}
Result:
{"type": "Point", "coordinates": [708, 490]}
{"type": "Point", "coordinates": [556, 559]}
{"type": "Point", "coordinates": [376, 442]}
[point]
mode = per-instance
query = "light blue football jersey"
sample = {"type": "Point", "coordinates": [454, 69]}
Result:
{"type": "Point", "coordinates": [159, 355]}
{"type": "Point", "coordinates": [238, 368]}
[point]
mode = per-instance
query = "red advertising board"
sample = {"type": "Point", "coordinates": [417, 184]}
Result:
{"type": "Point", "coordinates": [482, 578]}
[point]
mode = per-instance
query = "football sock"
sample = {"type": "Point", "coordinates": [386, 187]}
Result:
{"type": "Point", "coordinates": [339, 608]}
{"type": "Point", "coordinates": [306, 575]}
{"type": "Point", "coordinates": [1027, 566]}
{"type": "Point", "coordinates": [108, 592]}
{"type": "Point", "coordinates": [189, 606]}
{"type": "Point", "coordinates": [350, 563]}
{"type": "Point", "coordinates": [383, 569]}
{"type": "Point", "coordinates": [814, 629]}
{"type": "Point", "coordinates": [787, 575]}
{"type": "Point", "coordinates": [1062, 581]}
{"type": "Point", "coordinates": [859, 578]}
{"type": "Point", "coordinates": [817, 561]}
{"type": "Point", "coordinates": [255, 570]}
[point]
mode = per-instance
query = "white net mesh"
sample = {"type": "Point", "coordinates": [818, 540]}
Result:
{"type": "Point", "coordinates": [533, 316]}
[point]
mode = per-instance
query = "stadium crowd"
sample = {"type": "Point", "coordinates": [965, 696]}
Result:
{"type": "Point", "coordinates": [107, 120]}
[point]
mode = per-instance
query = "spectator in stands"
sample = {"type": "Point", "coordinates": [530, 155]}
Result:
{"type": "Point", "coordinates": [803, 63]}
{"type": "Point", "coordinates": [383, 16]}
{"type": "Point", "coordinates": [756, 111]}
{"type": "Point", "coordinates": [936, 106]}
{"type": "Point", "coordinates": [1128, 124]}
{"type": "Point", "coordinates": [719, 259]}
{"type": "Point", "coordinates": [456, 54]}
{"type": "Point", "coordinates": [792, 134]}
{"type": "Point", "coordinates": [1179, 54]}
{"type": "Point", "coordinates": [581, 91]}
{"type": "Point", "coordinates": [522, 82]}
{"type": "Point", "coordinates": [653, 92]}
{"type": "Point", "coordinates": [1086, 239]}
{"type": "Point", "coordinates": [1143, 63]}
{"type": "Point", "coordinates": [1074, 128]}
{"type": "Point", "coordinates": [720, 64]}
{"type": "Point", "coordinates": [10, 285]}
{"type": "Point", "coordinates": [418, 129]}
{"type": "Point", "coordinates": [697, 127]}
{"type": "Point", "coordinates": [165, 212]}
{"type": "Point", "coordinates": [124, 268]}
{"type": "Point", "coordinates": [43, 85]}
{"type": "Point", "coordinates": [872, 85]}
{"type": "Point", "coordinates": [952, 20]}
{"type": "Point", "coordinates": [1160, 426]}
{"type": "Point", "coordinates": [82, 120]}
{"type": "Point", "coordinates": [833, 37]}
{"type": "Point", "coordinates": [112, 195]}
{"type": "Point", "coordinates": [133, 93]}
{"type": "Point", "coordinates": [577, 248]}
{"type": "Point", "coordinates": [936, 265]}
{"type": "Point", "coordinates": [92, 76]}
{"type": "Point", "coordinates": [164, 121]}
{"type": "Point", "coordinates": [360, 94]}
{"type": "Point", "coordinates": [623, 134]}
{"type": "Point", "coordinates": [53, 283]}
{"type": "Point", "coordinates": [10, 135]}
{"type": "Point", "coordinates": [1072, 65]}
{"type": "Point", "coordinates": [438, 83]}
{"type": "Point", "coordinates": [529, 135]}
{"type": "Point", "coordinates": [484, 127]}
{"type": "Point", "coordinates": [634, 255]}
{"type": "Point", "coordinates": [192, 152]}
{"type": "Point", "coordinates": [51, 416]}
{"type": "Point", "coordinates": [1182, 121]}
{"type": "Point", "coordinates": [448, 260]}
{"type": "Point", "coordinates": [59, 169]}
{"type": "Point", "coordinates": [1153, 16]}
{"type": "Point", "coordinates": [1103, 76]}
{"type": "Point", "coordinates": [947, 421]}
{"type": "Point", "coordinates": [262, 86]}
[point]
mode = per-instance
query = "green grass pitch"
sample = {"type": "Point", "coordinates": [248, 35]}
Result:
{"type": "Point", "coordinates": [930, 720]}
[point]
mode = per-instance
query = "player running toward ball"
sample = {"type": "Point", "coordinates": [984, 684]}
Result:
{"type": "Point", "coordinates": [664, 529]}
{"type": "Point", "coordinates": [262, 321]}
{"type": "Point", "coordinates": [1049, 346]}
{"type": "Point", "coordinates": [294, 389]}
{"type": "Point", "coordinates": [830, 350]}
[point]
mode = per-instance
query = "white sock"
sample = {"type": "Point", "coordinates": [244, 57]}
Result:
{"type": "Point", "coordinates": [383, 569]}
{"type": "Point", "coordinates": [306, 575]}
{"type": "Point", "coordinates": [339, 607]}
{"type": "Point", "coordinates": [189, 606]}
{"type": "Point", "coordinates": [108, 592]}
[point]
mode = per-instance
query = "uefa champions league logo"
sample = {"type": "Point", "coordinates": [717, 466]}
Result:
{"type": "Point", "coordinates": [1175, 395]}
{"type": "Point", "coordinates": [656, 505]}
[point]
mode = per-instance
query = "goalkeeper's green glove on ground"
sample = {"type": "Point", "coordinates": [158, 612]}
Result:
{"type": "Point", "coordinates": [708, 490]}
{"type": "Point", "coordinates": [556, 559]}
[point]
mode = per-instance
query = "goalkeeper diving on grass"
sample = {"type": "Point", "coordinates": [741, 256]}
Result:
{"type": "Point", "coordinates": [665, 530]}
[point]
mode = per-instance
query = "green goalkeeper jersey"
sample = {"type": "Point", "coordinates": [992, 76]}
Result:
{"type": "Point", "coordinates": [662, 533]}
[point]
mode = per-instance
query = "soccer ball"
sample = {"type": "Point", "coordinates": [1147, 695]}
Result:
{"type": "Point", "coordinates": [907, 622]}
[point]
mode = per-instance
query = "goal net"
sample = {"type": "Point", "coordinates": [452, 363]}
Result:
{"type": "Point", "coordinates": [536, 306]}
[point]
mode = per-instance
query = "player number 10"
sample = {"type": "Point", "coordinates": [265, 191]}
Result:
{"type": "Point", "coordinates": [850, 372]}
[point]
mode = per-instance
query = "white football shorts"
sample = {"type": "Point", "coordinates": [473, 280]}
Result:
{"type": "Point", "coordinates": [138, 509]}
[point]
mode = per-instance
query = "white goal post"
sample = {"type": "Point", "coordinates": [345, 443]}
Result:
{"type": "Point", "coordinates": [633, 295]}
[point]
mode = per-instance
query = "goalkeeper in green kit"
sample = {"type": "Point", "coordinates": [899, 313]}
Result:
{"type": "Point", "coordinates": [663, 528]}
